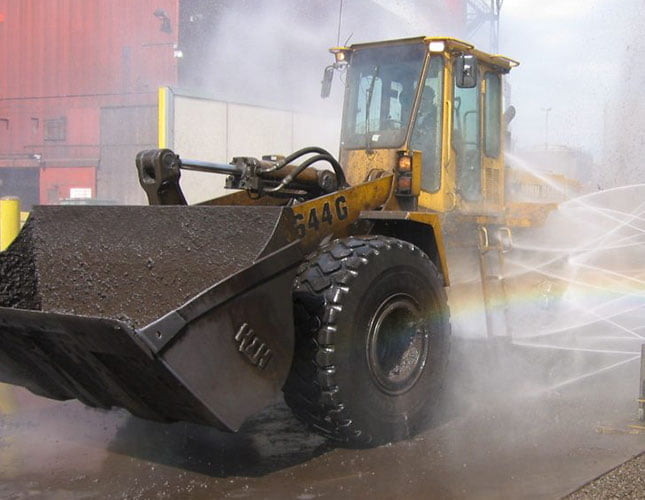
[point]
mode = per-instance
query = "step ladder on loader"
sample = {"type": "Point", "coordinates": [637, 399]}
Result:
{"type": "Point", "coordinates": [491, 266]}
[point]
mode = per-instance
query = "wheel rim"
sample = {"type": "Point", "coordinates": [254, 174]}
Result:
{"type": "Point", "coordinates": [397, 344]}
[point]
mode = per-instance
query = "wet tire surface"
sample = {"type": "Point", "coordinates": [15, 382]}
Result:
{"type": "Point", "coordinates": [332, 386]}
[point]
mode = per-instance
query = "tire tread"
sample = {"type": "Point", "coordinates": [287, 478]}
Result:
{"type": "Point", "coordinates": [320, 286]}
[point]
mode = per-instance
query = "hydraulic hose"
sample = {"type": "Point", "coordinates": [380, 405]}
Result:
{"type": "Point", "coordinates": [307, 163]}
{"type": "Point", "coordinates": [322, 155]}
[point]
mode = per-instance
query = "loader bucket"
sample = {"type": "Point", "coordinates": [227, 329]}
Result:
{"type": "Point", "coordinates": [174, 313]}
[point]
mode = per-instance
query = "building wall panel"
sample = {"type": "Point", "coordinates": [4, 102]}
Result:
{"type": "Point", "coordinates": [85, 47]}
{"type": "Point", "coordinates": [212, 130]}
{"type": "Point", "coordinates": [61, 183]}
{"type": "Point", "coordinates": [63, 61]}
{"type": "Point", "coordinates": [124, 132]}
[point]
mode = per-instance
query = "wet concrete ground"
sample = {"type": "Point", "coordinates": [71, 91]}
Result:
{"type": "Point", "coordinates": [502, 434]}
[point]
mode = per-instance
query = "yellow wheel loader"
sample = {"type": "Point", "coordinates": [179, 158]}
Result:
{"type": "Point", "coordinates": [324, 279]}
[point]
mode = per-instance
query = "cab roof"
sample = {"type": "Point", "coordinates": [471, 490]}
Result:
{"type": "Point", "coordinates": [450, 44]}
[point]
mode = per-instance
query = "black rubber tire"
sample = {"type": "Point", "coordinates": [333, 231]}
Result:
{"type": "Point", "coordinates": [350, 380]}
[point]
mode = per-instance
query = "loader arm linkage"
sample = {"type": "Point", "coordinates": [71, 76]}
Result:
{"type": "Point", "coordinates": [160, 169]}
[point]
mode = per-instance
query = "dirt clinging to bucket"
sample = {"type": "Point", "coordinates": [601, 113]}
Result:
{"type": "Point", "coordinates": [129, 263]}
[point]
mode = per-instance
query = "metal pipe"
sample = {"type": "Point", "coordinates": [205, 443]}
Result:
{"type": "Point", "coordinates": [309, 177]}
{"type": "Point", "coordinates": [207, 166]}
{"type": "Point", "coordinates": [641, 399]}
{"type": "Point", "coordinates": [9, 220]}
{"type": "Point", "coordinates": [295, 175]}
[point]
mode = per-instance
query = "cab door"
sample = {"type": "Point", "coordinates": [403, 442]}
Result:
{"type": "Point", "coordinates": [427, 133]}
{"type": "Point", "coordinates": [477, 142]}
{"type": "Point", "coordinates": [492, 147]}
{"type": "Point", "coordinates": [466, 143]}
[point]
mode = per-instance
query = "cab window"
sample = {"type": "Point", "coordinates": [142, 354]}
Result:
{"type": "Point", "coordinates": [427, 136]}
{"type": "Point", "coordinates": [492, 115]}
{"type": "Point", "coordinates": [382, 82]}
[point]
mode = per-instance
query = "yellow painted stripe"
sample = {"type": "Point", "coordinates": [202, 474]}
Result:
{"type": "Point", "coordinates": [162, 140]}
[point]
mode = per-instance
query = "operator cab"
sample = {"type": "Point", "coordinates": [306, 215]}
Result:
{"type": "Point", "coordinates": [429, 109]}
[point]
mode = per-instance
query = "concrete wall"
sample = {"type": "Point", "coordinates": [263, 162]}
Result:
{"type": "Point", "coordinates": [199, 127]}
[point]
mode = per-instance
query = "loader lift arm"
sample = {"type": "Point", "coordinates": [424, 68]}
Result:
{"type": "Point", "coordinates": [160, 170]}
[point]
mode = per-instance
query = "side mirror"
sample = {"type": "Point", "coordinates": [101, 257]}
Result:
{"type": "Point", "coordinates": [509, 114]}
{"type": "Point", "coordinates": [328, 76]}
{"type": "Point", "coordinates": [466, 71]}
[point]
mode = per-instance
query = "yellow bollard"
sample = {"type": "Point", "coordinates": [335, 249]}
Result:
{"type": "Point", "coordinates": [9, 220]}
{"type": "Point", "coordinates": [9, 228]}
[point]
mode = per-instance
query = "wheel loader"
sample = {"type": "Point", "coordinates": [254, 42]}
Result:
{"type": "Point", "coordinates": [322, 278]}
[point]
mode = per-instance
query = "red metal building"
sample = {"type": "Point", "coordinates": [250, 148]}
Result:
{"type": "Point", "coordinates": [79, 78]}
{"type": "Point", "coordinates": [63, 62]}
